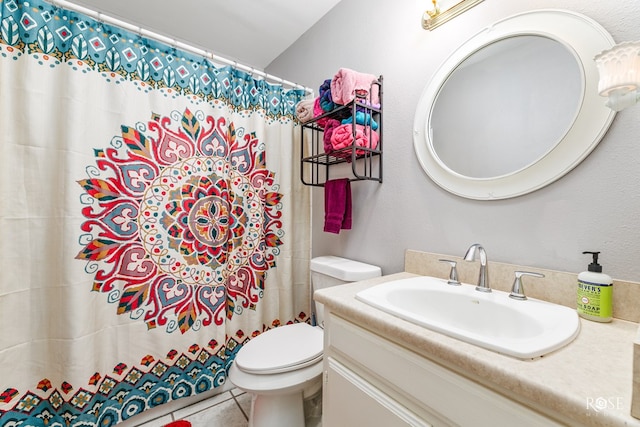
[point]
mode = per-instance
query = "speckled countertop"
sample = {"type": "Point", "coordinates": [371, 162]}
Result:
{"type": "Point", "coordinates": [587, 383]}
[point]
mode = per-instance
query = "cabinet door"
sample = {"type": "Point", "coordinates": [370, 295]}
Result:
{"type": "Point", "coordinates": [350, 401]}
{"type": "Point", "coordinates": [445, 396]}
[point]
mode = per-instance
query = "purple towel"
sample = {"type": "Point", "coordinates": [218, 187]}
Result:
{"type": "Point", "coordinates": [328, 131]}
{"type": "Point", "coordinates": [337, 205]}
{"type": "Point", "coordinates": [324, 93]}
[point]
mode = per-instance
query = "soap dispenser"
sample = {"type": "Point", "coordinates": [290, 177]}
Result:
{"type": "Point", "coordinates": [595, 292]}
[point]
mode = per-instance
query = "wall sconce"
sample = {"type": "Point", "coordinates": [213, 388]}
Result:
{"type": "Point", "coordinates": [619, 69]}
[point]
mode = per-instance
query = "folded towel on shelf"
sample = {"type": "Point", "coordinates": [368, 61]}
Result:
{"type": "Point", "coordinates": [342, 137]}
{"type": "Point", "coordinates": [326, 102]}
{"type": "Point", "coordinates": [346, 83]}
{"type": "Point", "coordinates": [362, 118]}
{"type": "Point", "coordinates": [337, 205]}
{"type": "Point", "coordinates": [304, 110]}
{"type": "Point", "coordinates": [329, 127]}
{"type": "Point", "coordinates": [325, 86]}
{"type": "Point", "coordinates": [324, 93]}
{"type": "Point", "coordinates": [318, 111]}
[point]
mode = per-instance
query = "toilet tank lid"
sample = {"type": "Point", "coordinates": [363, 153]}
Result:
{"type": "Point", "coordinates": [344, 269]}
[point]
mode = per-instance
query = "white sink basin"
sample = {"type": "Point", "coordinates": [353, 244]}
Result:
{"type": "Point", "coordinates": [522, 329]}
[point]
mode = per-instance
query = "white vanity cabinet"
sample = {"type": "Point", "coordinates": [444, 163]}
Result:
{"type": "Point", "coordinates": [371, 381]}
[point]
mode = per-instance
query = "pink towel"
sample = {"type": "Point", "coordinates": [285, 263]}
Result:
{"type": "Point", "coordinates": [305, 110]}
{"type": "Point", "coordinates": [337, 205]}
{"type": "Point", "coordinates": [342, 137]}
{"type": "Point", "coordinates": [346, 83]}
{"type": "Point", "coordinates": [318, 111]}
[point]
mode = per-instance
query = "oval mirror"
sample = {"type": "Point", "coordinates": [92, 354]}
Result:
{"type": "Point", "coordinates": [515, 108]}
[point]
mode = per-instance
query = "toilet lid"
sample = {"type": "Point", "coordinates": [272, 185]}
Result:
{"type": "Point", "coordinates": [282, 349]}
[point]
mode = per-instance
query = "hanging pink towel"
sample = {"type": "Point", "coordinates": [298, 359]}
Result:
{"type": "Point", "coordinates": [337, 205]}
{"type": "Point", "coordinates": [346, 83]}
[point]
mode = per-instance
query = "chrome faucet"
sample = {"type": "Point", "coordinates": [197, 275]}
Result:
{"type": "Point", "coordinates": [517, 290]}
{"type": "Point", "coordinates": [453, 273]}
{"type": "Point", "coordinates": [483, 278]}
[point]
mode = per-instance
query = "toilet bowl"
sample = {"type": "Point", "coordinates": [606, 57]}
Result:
{"type": "Point", "coordinates": [283, 366]}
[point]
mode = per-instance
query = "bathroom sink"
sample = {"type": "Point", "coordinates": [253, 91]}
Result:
{"type": "Point", "coordinates": [523, 329]}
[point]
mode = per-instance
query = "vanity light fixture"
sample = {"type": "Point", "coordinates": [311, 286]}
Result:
{"type": "Point", "coordinates": [619, 69]}
{"type": "Point", "coordinates": [432, 11]}
{"type": "Point", "coordinates": [440, 11]}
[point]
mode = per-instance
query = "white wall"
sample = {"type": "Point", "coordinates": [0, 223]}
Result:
{"type": "Point", "coordinates": [595, 207]}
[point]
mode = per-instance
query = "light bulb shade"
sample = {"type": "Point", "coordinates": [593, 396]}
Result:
{"type": "Point", "coordinates": [619, 69]}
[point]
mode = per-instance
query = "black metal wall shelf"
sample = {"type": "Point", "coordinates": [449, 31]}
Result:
{"type": "Point", "coordinates": [366, 162]}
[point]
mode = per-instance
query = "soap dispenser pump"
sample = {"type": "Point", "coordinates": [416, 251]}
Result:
{"type": "Point", "coordinates": [595, 292]}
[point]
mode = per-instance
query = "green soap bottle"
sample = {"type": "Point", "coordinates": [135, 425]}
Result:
{"type": "Point", "coordinates": [595, 292]}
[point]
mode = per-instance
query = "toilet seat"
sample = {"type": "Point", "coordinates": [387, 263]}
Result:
{"type": "Point", "coordinates": [283, 349]}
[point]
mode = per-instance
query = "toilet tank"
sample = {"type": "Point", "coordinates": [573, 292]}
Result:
{"type": "Point", "coordinates": [327, 271]}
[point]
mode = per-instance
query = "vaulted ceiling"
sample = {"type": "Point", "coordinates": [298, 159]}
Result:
{"type": "Point", "coordinates": [252, 32]}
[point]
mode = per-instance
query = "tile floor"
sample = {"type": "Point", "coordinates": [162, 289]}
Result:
{"type": "Point", "coordinates": [228, 409]}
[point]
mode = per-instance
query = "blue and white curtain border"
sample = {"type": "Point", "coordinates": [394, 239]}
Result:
{"type": "Point", "coordinates": [121, 51]}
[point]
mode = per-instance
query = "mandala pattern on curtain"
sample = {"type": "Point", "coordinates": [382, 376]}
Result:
{"type": "Point", "coordinates": [189, 222]}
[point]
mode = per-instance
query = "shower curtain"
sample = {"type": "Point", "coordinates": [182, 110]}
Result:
{"type": "Point", "coordinates": [151, 219]}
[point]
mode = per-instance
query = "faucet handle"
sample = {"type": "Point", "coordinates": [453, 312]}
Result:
{"type": "Point", "coordinates": [517, 290]}
{"type": "Point", "coordinates": [453, 274]}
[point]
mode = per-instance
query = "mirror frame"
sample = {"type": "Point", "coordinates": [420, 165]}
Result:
{"type": "Point", "coordinates": [584, 38]}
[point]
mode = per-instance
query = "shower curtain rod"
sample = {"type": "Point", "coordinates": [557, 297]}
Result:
{"type": "Point", "coordinates": [173, 42]}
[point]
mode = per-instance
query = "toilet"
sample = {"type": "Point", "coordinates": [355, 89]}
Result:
{"type": "Point", "coordinates": [282, 367]}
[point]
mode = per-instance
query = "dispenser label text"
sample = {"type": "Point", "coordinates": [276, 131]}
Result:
{"type": "Point", "coordinates": [595, 299]}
